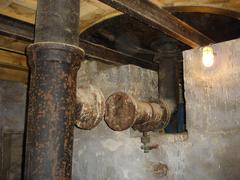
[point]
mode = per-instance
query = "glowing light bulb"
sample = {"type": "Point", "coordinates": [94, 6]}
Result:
{"type": "Point", "coordinates": [207, 56]}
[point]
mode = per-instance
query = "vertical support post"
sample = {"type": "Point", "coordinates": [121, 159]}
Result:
{"type": "Point", "coordinates": [54, 60]}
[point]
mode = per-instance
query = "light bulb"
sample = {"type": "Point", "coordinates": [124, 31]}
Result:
{"type": "Point", "coordinates": [207, 56]}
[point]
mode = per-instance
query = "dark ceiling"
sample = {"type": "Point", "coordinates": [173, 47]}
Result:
{"type": "Point", "coordinates": [130, 36]}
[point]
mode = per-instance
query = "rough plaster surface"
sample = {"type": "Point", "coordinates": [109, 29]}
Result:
{"type": "Point", "coordinates": [127, 78]}
{"type": "Point", "coordinates": [212, 148]}
{"type": "Point", "coordinates": [109, 155]}
{"type": "Point", "coordinates": [12, 117]}
{"type": "Point", "coordinates": [213, 113]}
{"type": "Point", "coordinates": [12, 105]}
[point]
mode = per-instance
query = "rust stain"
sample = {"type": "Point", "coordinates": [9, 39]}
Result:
{"type": "Point", "coordinates": [123, 112]}
{"type": "Point", "coordinates": [158, 169]}
{"type": "Point", "coordinates": [51, 109]}
{"type": "Point", "coordinates": [90, 107]}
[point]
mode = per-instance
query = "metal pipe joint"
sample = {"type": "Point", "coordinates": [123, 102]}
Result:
{"type": "Point", "coordinates": [90, 108]}
{"type": "Point", "coordinates": [123, 112]}
{"type": "Point", "coordinates": [120, 111]}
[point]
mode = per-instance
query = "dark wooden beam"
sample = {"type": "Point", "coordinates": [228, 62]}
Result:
{"type": "Point", "coordinates": [13, 60]}
{"type": "Point", "coordinates": [13, 66]}
{"type": "Point", "coordinates": [16, 29]}
{"type": "Point", "coordinates": [161, 19]}
{"type": "Point", "coordinates": [204, 9]}
{"type": "Point", "coordinates": [24, 32]}
{"type": "Point", "coordinates": [100, 53]}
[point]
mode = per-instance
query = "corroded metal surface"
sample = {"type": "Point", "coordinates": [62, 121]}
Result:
{"type": "Point", "coordinates": [159, 169]}
{"type": "Point", "coordinates": [54, 60]}
{"type": "Point", "coordinates": [51, 110]}
{"type": "Point", "coordinates": [58, 21]}
{"type": "Point", "coordinates": [123, 112]}
{"type": "Point", "coordinates": [90, 107]}
{"type": "Point", "coordinates": [120, 111]}
{"type": "Point", "coordinates": [158, 118]}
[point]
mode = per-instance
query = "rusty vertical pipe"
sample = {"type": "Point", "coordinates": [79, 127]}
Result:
{"type": "Point", "coordinates": [54, 60]}
{"type": "Point", "coordinates": [58, 21]}
{"type": "Point", "coordinates": [168, 56]}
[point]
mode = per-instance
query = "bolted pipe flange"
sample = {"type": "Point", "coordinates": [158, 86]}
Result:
{"type": "Point", "coordinates": [90, 108]}
{"type": "Point", "coordinates": [71, 53]}
{"type": "Point", "coordinates": [157, 119]}
{"type": "Point", "coordinates": [120, 111]}
{"type": "Point", "coordinates": [68, 57]}
{"type": "Point", "coordinates": [123, 112]}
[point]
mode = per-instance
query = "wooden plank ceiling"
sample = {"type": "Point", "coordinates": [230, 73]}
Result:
{"type": "Point", "coordinates": [93, 11]}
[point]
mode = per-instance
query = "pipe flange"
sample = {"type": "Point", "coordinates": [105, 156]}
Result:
{"type": "Point", "coordinates": [90, 108]}
{"type": "Point", "coordinates": [121, 110]}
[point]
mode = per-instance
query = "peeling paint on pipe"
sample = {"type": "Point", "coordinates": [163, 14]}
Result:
{"type": "Point", "coordinates": [123, 112]}
{"type": "Point", "coordinates": [90, 107]}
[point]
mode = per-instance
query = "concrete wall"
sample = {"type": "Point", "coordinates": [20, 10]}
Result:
{"type": "Point", "coordinates": [12, 117]}
{"type": "Point", "coordinates": [102, 154]}
{"type": "Point", "coordinates": [213, 112]}
{"type": "Point", "coordinates": [210, 150]}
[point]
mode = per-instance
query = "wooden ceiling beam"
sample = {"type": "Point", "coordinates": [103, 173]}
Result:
{"type": "Point", "coordinates": [161, 19]}
{"type": "Point", "coordinates": [100, 53]}
{"type": "Point", "coordinates": [13, 67]}
{"type": "Point", "coordinates": [203, 9]}
{"type": "Point", "coordinates": [13, 61]}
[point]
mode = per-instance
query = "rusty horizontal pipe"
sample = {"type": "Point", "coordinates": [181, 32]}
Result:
{"type": "Point", "coordinates": [90, 108]}
{"type": "Point", "coordinates": [123, 111]}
